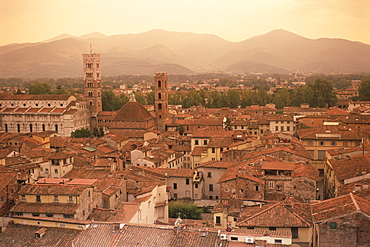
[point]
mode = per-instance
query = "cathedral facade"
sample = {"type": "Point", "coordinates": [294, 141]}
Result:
{"type": "Point", "coordinates": [22, 113]}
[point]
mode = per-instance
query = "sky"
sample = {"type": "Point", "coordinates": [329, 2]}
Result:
{"type": "Point", "coordinates": [233, 20]}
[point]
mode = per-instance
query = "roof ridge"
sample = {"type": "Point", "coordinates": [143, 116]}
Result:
{"type": "Point", "coordinates": [354, 202]}
{"type": "Point", "coordinates": [257, 214]}
{"type": "Point", "coordinates": [297, 215]}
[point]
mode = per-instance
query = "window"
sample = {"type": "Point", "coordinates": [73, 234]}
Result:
{"type": "Point", "coordinates": [196, 186]}
{"type": "Point", "coordinates": [321, 154]}
{"type": "Point", "coordinates": [321, 172]}
{"type": "Point", "coordinates": [278, 241]}
{"type": "Point", "coordinates": [88, 193]}
{"type": "Point", "coordinates": [205, 142]}
{"type": "Point", "coordinates": [210, 187]}
{"type": "Point", "coordinates": [175, 196]}
{"type": "Point", "coordinates": [35, 214]}
{"type": "Point", "coordinates": [288, 128]}
{"type": "Point", "coordinates": [210, 197]}
{"type": "Point", "coordinates": [23, 198]}
{"type": "Point", "coordinates": [70, 198]}
{"type": "Point", "coordinates": [271, 184]}
{"type": "Point", "coordinates": [276, 128]}
{"type": "Point", "coordinates": [333, 225]}
{"type": "Point", "coordinates": [250, 227]}
{"type": "Point", "coordinates": [272, 228]}
{"type": "Point", "coordinates": [159, 84]}
{"type": "Point", "coordinates": [38, 199]}
{"type": "Point", "coordinates": [294, 232]}
{"type": "Point", "coordinates": [196, 142]}
{"type": "Point", "coordinates": [322, 143]}
{"type": "Point", "coordinates": [187, 193]}
{"type": "Point", "coordinates": [333, 143]}
{"type": "Point", "coordinates": [159, 106]}
{"type": "Point", "coordinates": [175, 186]}
{"type": "Point", "coordinates": [49, 215]}
{"type": "Point", "coordinates": [56, 199]}
{"type": "Point", "coordinates": [55, 170]}
{"type": "Point", "coordinates": [345, 143]}
{"type": "Point", "coordinates": [282, 128]}
{"type": "Point", "coordinates": [213, 150]}
{"type": "Point", "coordinates": [187, 181]}
{"type": "Point", "coordinates": [209, 174]}
{"type": "Point", "coordinates": [218, 220]}
{"type": "Point", "coordinates": [234, 238]}
{"type": "Point", "coordinates": [309, 143]}
{"type": "Point", "coordinates": [159, 96]}
{"type": "Point", "coordinates": [257, 188]}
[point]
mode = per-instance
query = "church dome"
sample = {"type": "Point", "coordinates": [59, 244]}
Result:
{"type": "Point", "coordinates": [133, 111]}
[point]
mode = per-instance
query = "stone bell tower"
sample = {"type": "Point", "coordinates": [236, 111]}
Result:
{"type": "Point", "coordinates": [92, 85]}
{"type": "Point", "coordinates": [161, 100]}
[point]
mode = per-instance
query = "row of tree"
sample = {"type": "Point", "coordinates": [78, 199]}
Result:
{"type": "Point", "coordinates": [318, 94]}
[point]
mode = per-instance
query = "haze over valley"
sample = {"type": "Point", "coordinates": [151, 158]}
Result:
{"type": "Point", "coordinates": [278, 51]}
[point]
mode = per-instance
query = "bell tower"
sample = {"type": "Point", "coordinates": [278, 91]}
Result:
{"type": "Point", "coordinates": [92, 85]}
{"type": "Point", "coordinates": [161, 100]}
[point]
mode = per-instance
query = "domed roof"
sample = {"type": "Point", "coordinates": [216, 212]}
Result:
{"type": "Point", "coordinates": [133, 111]}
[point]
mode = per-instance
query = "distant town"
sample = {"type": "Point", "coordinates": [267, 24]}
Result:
{"type": "Point", "coordinates": [215, 159]}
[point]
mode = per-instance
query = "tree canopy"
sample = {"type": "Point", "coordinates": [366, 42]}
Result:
{"type": "Point", "coordinates": [364, 90]}
{"type": "Point", "coordinates": [39, 88]}
{"type": "Point", "coordinates": [186, 210]}
{"type": "Point", "coordinates": [81, 133]}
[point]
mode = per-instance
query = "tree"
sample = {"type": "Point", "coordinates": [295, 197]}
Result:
{"type": "Point", "coordinates": [322, 94]}
{"type": "Point", "coordinates": [112, 102]}
{"type": "Point", "coordinates": [81, 133]}
{"type": "Point", "coordinates": [140, 98]}
{"type": "Point", "coordinates": [186, 210]}
{"type": "Point", "coordinates": [150, 98]}
{"type": "Point", "coordinates": [180, 129]}
{"type": "Point", "coordinates": [60, 90]}
{"type": "Point", "coordinates": [282, 97]}
{"type": "Point", "coordinates": [98, 132]}
{"type": "Point", "coordinates": [364, 90]}
{"type": "Point", "coordinates": [39, 88]}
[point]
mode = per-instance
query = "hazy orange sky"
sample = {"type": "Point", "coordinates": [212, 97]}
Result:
{"type": "Point", "coordinates": [233, 20]}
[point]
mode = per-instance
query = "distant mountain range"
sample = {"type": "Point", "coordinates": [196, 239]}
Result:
{"type": "Point", "coordinates": [278, 51]}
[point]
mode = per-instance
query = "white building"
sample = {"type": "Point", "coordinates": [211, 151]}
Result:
{"type": "Point", "coordinates": [37, 113]}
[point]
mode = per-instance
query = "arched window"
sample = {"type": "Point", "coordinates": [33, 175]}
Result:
{"type": "Point", "coordinates": [90, 94]}
{"type": "Point", "coordinates": [159, 96]}
{"type": "Point", "coordinates": [159, 83]}
{"type": "Point", "coordinates": [6, 127]}
{"type": "Point", "coordinates": [159, 106]}
{"type": "Point", "coordinates": [18, 128]}
{"type": "Point", "coordinates": [56, 128]}
{"type": "Point", "coordinates": [31, 128]}
{"type": "Point", "coordinates": [90, 103]}
{"type": "Point", "coordinates": [43, 127]}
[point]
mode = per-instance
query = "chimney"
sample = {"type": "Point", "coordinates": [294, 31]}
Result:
{"type": "Point", "coordinates": [365, 185]}
{"type": "Point", "coordinates": [357, 187]}
{"type": "Point", "coordinates": [39, 233]}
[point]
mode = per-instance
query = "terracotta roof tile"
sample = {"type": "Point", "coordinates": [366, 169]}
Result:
{"type": "Point", "coordinates": [276, 215]}
{"type": "Point", "coordinates": [24, 235]}
{"type": "Point", "coordinates": [352, 167]}
{"type": "Point", "coordinates": [339, 206]}
{"type": "Point", "coordinates": [52, 208]}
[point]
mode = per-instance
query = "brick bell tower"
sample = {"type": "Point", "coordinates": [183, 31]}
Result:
{"type": "Point", "coordinates": [92, 85]}
{"type": "Point", "coordinates": [161, 100]}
